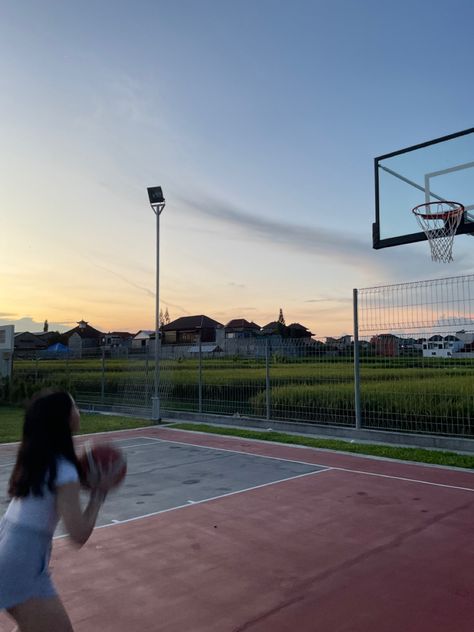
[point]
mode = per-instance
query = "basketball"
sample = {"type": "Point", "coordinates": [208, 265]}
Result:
{"type": "Point", "coordinates": [105, 457]}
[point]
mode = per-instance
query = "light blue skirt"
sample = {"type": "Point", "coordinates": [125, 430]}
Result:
{"type": "Point", "coordinates": [24, 562]}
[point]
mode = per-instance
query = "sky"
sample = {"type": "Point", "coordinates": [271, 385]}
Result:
{"type": "Point", "coordinates": [259, 118]}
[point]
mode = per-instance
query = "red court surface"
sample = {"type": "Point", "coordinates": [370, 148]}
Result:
{"type": "Point", "coordinates": [365, 545]}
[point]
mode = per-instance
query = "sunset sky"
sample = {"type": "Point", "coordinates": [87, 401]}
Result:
{"type": "Point", "coordinates": [259, 118]}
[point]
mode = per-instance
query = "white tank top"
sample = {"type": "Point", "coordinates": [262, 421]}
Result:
{"type": "Point", "coordinates": [40, 512]}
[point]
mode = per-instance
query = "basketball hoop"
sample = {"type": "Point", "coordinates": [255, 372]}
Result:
{"type": "Point", "coordinates": [439, 221]}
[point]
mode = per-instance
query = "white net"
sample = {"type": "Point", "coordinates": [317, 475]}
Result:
{"type": "Point", "coordinates": [439, 221]}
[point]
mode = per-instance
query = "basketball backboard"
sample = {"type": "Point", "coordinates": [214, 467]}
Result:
{"type": "Point", "coordinates": [440, 169]}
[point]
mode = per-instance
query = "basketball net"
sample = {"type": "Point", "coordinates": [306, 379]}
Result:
{"type": "Point", "coordinates": [439, 221]}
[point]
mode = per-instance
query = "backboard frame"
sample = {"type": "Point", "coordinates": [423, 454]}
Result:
{"type": "Point", "coordinates": [466, 226]}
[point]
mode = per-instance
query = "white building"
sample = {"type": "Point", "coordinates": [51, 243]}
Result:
{"type": "Point", "coordinates": [449, 346]}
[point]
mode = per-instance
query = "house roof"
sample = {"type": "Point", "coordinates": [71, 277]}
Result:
{"type": "Point", "coordinates": [241, 323]}
{"type": "Point", "coordinates": [120, 334]}
{"type": "Point", "coordinates": [272, 326]}
{"type": "Point", "coordinates": [300, 327]}
{"type": "Point", "coordinates": [192, 322]}
{"type": "Point", "coordinates": [84, 331]}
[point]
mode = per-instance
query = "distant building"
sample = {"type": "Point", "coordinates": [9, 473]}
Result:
{"type": "Point", "coordinates": [83, 338]}
{"type": "Point", "coordinates": [239, 328]}
{"type": "Point", "coordinates": [191, 329]}
{"type": "Point", "coordinates": [141, 340]}
{"type": "Point", "coordinates": [447, 346]}
{"type": "Point", "coordinates": [386, 345]}
{"type": "Point", "coordinates": [117, 340]}
{"type": "Point", "coordinates": [27, 344]}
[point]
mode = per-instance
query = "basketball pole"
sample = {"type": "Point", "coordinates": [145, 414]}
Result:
{"type": "Point", "coordinates": [157, 203]}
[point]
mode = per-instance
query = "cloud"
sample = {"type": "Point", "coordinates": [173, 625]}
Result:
{"type": "Point", "coordinates": [164, 303]}
{"type": "Point", "coordinates": [333, 245]}
{"type": "Point", "coordinates": [27, 323]}
{"type": "Point", "coordinates": [329, 300]}
{"type": "Point", "coordinates": [232, 284]}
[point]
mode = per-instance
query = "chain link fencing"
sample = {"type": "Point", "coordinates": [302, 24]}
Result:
{"type": "Point", "coordinates": [407, 366]}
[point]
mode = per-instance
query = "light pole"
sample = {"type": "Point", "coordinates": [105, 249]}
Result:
{"type": "Point", "coordinates": [157, 202]}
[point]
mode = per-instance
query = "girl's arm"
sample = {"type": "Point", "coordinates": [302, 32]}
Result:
{"type": "Point", "coordinates": [79, 523]}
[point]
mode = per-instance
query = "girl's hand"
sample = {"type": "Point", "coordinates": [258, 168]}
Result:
{"type": "Point", "coordinates": [101, 478]}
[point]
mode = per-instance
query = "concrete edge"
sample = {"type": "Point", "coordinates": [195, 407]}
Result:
{"type": "Point", "coordinates": [453, 444]}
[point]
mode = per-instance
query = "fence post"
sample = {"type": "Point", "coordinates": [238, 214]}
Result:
{"type": "Point", "coordinates": [102, 380]}
{"type": "Point", "coordinates": [68, 373]}
{"type": "Point", "coordinates": [358, 415]}
{"type": "Point", "coordinates": [147, 390]}
{"type": "Point", "coordinates": [36, 367]}
{"type": "Point", "coordinates": [200, 374]}
{"type": "Point", "coordinates": [267, 379]}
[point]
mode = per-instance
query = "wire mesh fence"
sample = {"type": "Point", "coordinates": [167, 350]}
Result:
{"type": "Point", "coordinates": [417, 356]}
{"type": "Point", "coordinates": [411, 369]}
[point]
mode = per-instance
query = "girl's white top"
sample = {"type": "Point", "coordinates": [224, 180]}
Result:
{"type": "Point", "coordinates": [40, 512]}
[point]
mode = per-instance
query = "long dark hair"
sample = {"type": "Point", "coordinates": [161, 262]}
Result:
{"type": "Point", "coordinates": [46, 436]}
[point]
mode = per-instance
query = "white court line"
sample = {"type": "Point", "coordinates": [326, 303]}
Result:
{"type": "Point", "coordinates": [356, 455]}
{"type": "Point", "coordinates": [261, 456]}
{"type": "Point", "coordinates": [341, 469]}
{"type": "Point", "coordinates": [402, 478]}
{"type": "Point", "coordinates": [200, 502]}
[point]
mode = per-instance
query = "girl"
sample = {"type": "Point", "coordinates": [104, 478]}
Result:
{"type": "Point", "coordinates": [44, 486]}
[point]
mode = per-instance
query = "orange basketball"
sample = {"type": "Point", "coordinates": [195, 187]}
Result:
{"type": "Point", "coordinates": [106, 457]}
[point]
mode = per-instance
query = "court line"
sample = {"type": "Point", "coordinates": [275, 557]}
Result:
{"type": "Point", "coordinates": [201, 502]}
{"type": "Point", "coordinates": [342, 469]}
{"type": "Point", "coordinates": [402, 478]}
{"type": "Point", "coordinates": [356, 455]}
{"type": "Point", "coordinates": [262, 456]}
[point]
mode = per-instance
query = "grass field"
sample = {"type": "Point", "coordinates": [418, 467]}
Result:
{"type": "Point", "coordinates": [11, 419]}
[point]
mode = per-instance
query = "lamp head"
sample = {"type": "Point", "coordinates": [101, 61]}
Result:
{"type": "Point", "coordinates": [155, 195]}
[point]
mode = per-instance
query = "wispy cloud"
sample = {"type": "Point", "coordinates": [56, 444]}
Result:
{"type": "Point", "coordinates": [232, 284]}
{"type": "Point", "coordinates": [165, 303]}
{"type": "Point", "coordinates": [338, 247]}
{"type": "Point", "coordinates": [328, 300]}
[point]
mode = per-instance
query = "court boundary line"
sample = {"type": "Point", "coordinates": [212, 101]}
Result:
{"type": "Point", "coordinates": [330, 467]}
{"type": "Point", "coordinates": [358, 455]}
{"type": "Point", "coordinates": [202, 501]}
{"type": "Point", "coordinates": [403, 478]}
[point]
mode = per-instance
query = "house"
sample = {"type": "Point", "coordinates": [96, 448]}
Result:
{"type": "Point", "coordinates": [386, 345]}
{"type": "Point", "coordinates": [338, 344]}
{"type": "Point", "coordinates": [239, 328]}
{"type": "Point", "coordinates": [83, 338]}
{"type": "Point", "coordinates": [444, 346]}
{"type": "Point", "coordinates": [191, 329]}
{"type": "Point", "coordinates": [295, 330]}
{"type": "Point", "coordinates": [141, 340]}
{"type": "Point", "coordinates": [27, 344]}
{"type": "Point", "coordinates": [115, 340]}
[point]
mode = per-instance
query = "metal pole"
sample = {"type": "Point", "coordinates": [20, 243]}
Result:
{"type": "Point", "coordinates": [358, 414]}
{"type": "Point", "coordinates": [155, 400]}
{"type": "Point", "coordinates": [102, 383]}
{"type": "Point", "coordinates": [267, 378]}
{"type": "Point", "coordinates": [200, 370]}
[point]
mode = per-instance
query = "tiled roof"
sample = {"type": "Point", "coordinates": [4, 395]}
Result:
{"type": "Point", "coordinates": [241, 323]}
{"type": "Point", "coordinates": [192, 322]}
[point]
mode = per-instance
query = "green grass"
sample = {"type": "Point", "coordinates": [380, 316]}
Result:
{"type": "Point", "coordinates": [11, 422]}
{"type": "Point", "coordinates": [417, 455]}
